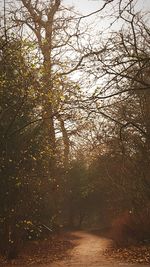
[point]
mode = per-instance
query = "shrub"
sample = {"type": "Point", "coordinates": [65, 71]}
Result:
{"type": "Point", "coordinates": [129, 228]}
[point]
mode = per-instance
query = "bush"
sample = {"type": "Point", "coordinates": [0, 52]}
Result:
{"type": "Point", "coordinates": [130, 228]}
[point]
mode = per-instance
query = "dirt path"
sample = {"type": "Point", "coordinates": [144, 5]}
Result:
{"type": "Point", "coordinates": [88, 252]}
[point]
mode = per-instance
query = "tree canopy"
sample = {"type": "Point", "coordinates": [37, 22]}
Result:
{"type": "Point", "coordinates": [74, 118]}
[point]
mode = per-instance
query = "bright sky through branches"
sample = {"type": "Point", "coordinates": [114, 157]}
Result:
{"type": "Point", "coordinates": [87, 6]}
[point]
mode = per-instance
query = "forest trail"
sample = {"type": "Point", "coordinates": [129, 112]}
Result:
{"type": "Point", "coordinates": [88, 252]}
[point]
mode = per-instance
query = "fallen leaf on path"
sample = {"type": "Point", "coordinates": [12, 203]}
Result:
{"type": "Point", "coordinates": [134, 254]}
{"type": "Point", "coordinates": [37, 252]}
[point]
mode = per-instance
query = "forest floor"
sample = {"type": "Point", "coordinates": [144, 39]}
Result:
{"type": "Point", "coordinates": [75, 249]}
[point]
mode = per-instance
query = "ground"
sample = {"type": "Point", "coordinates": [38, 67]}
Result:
{"type": "Point", "coordinates": [86, 250]}
{"type": "Point", "coordinates": [89, 252]}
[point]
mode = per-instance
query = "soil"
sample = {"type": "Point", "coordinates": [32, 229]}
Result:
{"type": "Point", "coordinates": [81, 249]}
{"type": "Point", "coordinates": [89, 252]}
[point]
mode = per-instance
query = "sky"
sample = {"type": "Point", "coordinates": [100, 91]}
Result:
{"type": "Point", "coordinates": [87, 6]}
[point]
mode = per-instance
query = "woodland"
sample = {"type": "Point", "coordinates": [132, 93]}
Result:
{"type": "Point", "coordinates": [74, 121]}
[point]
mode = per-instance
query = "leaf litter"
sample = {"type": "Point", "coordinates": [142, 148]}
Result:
{"type": "Point", "coordinates": [132, 254]}
{"type": "Point", "coordinates": [40, 252]}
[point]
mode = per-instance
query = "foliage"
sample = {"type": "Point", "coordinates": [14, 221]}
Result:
{"type": "Point", "coordinates": [70, 156]}
{"type": "Point", "coordinates": [23, 170]}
